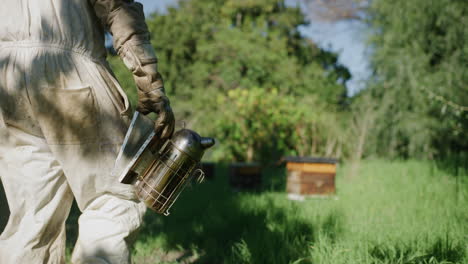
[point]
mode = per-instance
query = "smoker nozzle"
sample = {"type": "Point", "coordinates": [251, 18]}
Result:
{"type": "Point", "coordinates": [207, 142]}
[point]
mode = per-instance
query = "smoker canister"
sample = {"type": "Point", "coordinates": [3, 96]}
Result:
{"type": "Point", "coordinates": [174, 165]}
{"type": "Point", "coordinates": [160, 170]}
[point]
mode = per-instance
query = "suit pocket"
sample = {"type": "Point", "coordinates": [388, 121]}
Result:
{"type": "Point", "coordinates": [67, 116]}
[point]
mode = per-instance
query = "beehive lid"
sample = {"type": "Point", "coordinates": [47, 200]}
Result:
{"type": "Point", "coordinates": [298, 159]}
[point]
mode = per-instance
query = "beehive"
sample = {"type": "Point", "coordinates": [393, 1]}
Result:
{"type": "Point", "coordinates": [310, 176]}
{"type": "Point", "coordinates": [245, 176]}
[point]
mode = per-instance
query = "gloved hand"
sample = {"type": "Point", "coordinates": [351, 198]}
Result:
{"type": "Point", "coordinates": [152, 98]}
{"type": "Point", "coordinates": [126, 22]}
{"type": "Point", "coordinates": [141, 60]}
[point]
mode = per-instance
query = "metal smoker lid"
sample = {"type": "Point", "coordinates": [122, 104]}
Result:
{"type": "Point", "coordinates": [191, 143]}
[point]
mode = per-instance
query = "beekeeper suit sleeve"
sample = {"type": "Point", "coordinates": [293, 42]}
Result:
{"type": "Point", "coordinates": [125, 20]}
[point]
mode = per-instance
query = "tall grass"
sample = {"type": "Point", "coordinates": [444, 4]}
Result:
{"type": "Point", "coordinates": [390, 212]}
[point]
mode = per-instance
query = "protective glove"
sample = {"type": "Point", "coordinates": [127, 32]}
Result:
{"type": "Point", "coordinates": [126, 22]}
{"type": "Point", "coordinates": [141, 60]}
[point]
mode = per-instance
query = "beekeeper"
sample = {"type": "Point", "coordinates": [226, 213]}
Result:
{"type": "Point", "coordinates": [63, 117]}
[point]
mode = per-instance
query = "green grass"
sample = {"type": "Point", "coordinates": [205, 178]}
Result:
{"type": "Point", "coordinates": [4, 211]}
{"type": "Point", "coordinates": [390, 212]}
{"type": "Point", "coordinates": [403, 212]}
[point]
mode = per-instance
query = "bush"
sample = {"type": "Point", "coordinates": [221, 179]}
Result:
{"type": "Point", "coordinates": [256, 125]}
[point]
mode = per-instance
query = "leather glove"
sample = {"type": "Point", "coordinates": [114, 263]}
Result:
{"type": "Point", "coordinates": [152, 98]}
{"type": "Point", "coordinates": [141, 60]}
{"type": "Point", "coordinates": [126, 22]}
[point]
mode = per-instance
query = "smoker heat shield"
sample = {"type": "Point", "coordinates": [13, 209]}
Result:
{"type": "Point", "coordinates": [138, 137]}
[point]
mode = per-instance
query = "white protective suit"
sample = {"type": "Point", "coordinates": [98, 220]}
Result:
{"type": "Point", "coordinates": [63, 117]}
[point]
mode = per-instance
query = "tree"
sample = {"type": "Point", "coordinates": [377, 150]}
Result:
{"type": "Point", "coordinates": [420, 64]}
{"type": "Point", "coordinates": [207, 48]}
{"type": "Point", "coordinates": [258, 125]}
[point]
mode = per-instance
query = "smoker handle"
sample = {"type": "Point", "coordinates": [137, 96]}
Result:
{"type": "Point", "coordinates": [201, 175]}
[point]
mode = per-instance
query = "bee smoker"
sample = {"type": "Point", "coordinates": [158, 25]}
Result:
{"type": "Point", "coordinates": [159, 170]}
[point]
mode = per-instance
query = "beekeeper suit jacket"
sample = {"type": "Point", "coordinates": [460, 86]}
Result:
{"type": "Point", "coordinates": [63, 117]}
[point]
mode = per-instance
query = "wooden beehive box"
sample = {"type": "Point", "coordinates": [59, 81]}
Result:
{"type": "Point", "coordinates": [310, 176]}
{"type": "Point", "coordinates": [245, 176]}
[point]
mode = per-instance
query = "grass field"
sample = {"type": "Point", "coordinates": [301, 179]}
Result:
{"type": "Point", "coordinates": [390, 212]}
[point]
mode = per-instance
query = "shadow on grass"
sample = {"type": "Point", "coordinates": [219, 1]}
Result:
{"type": "Point", "coordinates": [274, 178]}
{"type": "Point", "coordinates": [232, 227]}
{"type": "Point", "coordinates": [454, 164]}
{"type": "Point", "coordinates": [443, 250]}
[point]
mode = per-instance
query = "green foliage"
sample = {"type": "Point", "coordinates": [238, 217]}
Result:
{"type": "Point", "coordinates": [257, 125]}
{"type": "Point", "coordinates": [411, 108]}
{"type": "Point", "coordinates": [125, 78]}
{"type": "Point", "coordinates": [420, 63]}
{"type": "Point", "coordinates": [208, 48]}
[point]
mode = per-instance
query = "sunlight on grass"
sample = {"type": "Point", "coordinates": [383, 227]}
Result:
{"type": "Point", "coordinates": [390, 212]}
